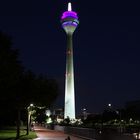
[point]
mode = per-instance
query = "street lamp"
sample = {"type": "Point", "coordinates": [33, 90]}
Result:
{"type": "Point", "coordinates": [84, 111]}
{"type": "Point", "coordinates": [31, 105]}
{"type": "Point", "coordinates": [120, 120]}
{"type": "Point", "coordinates": [29, 111]}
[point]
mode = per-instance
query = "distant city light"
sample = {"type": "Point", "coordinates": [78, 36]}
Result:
{"type": "Point", "coordinates": [109, 105]}
{"type": "Point", "coordinates": [84, 109]}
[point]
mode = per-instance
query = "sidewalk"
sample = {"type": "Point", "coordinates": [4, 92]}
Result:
{"type": "Point", "coordinates": [47, 134]}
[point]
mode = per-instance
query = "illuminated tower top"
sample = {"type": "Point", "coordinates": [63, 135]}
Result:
{"type": "Point", "coordinates": [69, 20]}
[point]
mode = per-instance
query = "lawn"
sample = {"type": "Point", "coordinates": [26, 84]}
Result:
{"type": "Point", "coordinates": [11, 135]}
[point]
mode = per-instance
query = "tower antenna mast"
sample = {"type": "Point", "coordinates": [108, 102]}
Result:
{"type": "Point", "coordinates": [69, 6]}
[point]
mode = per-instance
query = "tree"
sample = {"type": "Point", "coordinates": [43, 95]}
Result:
{"type": "Point", "coordinates": [19, 88]}
{"type": "Point", "coordinates": [38, 89]}
{"type": "Point", "coordinates": [11, 72]}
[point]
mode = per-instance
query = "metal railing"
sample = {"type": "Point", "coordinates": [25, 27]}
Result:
{"type": "Point", "coordinates": [81, 132]}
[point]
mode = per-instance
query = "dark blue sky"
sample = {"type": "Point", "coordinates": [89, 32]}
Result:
{"type": "Point", "coordinates": [106, 47]}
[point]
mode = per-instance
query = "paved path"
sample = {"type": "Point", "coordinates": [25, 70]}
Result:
{"type": "Point", "coordinates": [47, 134]}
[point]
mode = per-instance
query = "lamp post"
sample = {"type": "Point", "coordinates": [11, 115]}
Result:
{"type": "Point", "coordinates": [29, 117]}
{"type": "Point", "coordinates": [120, 120]}
{"type": "Point", "coordinates": [84, 113]}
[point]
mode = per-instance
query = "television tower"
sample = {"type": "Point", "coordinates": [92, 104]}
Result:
{"type": "Point", "coordinates": [69, 22]}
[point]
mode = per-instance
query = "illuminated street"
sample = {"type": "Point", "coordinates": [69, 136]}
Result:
{"type": "Point", "coordinates": [46, 134]}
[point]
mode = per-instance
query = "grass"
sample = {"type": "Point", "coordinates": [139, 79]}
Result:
{"type": "Point", "coordinates": [11, 135]}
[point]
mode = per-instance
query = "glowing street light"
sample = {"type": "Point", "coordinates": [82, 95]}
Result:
{"type": "Point", "coordinates": [31, 104]}
{"type": "Point", "coordinates": [29, 117]}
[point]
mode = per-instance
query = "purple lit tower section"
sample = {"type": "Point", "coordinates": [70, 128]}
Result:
{"type": "Point", "coordinates": [69, 22]}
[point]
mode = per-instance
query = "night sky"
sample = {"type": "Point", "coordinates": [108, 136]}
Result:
{"type": "Point", "coordinates": [106, 47]}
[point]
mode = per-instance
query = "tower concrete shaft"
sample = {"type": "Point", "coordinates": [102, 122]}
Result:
{"type": "Point", "coordinates": [69, 22]}
{"type": "Point", "coordinates": [69, 81]}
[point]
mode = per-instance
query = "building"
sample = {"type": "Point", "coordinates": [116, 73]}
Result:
{"type": "Point", "coordinates": [69, 21]}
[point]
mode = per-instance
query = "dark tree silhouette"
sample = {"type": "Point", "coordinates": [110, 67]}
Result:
{"type": "Point", "coordinates": [38, 90]}
{"type": "Point", "coordinates": [11, 72]}
{"type": "Point", "coordinates": [19, 88]}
